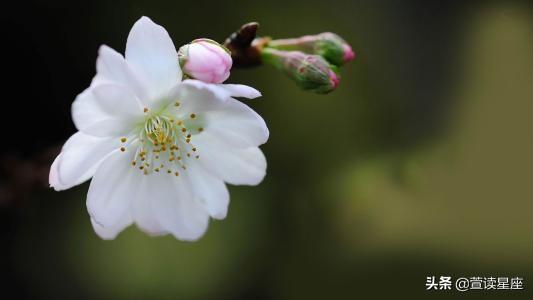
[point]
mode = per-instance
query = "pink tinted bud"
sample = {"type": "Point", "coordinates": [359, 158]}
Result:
{"type": "Point", "coordinates": [334, 79]}
{"type": "Point", "coordinates": [205, 60]}
{"type": "Point", "coordinates": [349, 55]}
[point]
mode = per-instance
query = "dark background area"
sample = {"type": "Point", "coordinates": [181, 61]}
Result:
{"type": "Point", "coordinates": [418, 165]}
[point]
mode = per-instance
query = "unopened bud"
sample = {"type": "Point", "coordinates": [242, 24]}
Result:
{"type": "Point", "coordinates": [310, 72]}
{"type": "Point", "coordinates": [205, 60]}
{"type": "Point", "coordinates": [328, 45]}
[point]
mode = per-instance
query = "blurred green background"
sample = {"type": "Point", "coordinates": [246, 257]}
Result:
{"type": "Point", "coordinates": [418, 165]}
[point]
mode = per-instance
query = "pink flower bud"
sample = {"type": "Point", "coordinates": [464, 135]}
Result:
{"type": "Point", "coordinates": [349, 55]}
{"type": "Point", "coordinates": [205, 60]}
{"type": "Point", "coordinates": [311, 72]}
{"type": "Point", "coordinates": [334, 79]}
{"type": "Point", "coordinates": [327, 44]}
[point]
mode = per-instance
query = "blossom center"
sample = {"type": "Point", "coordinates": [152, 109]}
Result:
{"type": "Point", "coordinates": [159, 130]}
{"type": "Point", "coordinates": [164, 143]}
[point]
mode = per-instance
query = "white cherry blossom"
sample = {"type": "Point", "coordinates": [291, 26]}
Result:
{"type": "Point", "coordinates": [159, 150]}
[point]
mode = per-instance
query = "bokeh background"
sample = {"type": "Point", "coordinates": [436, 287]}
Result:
{"type": "Point", "coordinates": [418, 165]}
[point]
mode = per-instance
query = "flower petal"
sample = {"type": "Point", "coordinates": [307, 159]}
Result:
{"type": "Point", "coordinates": [53, 177]}
{"type": "Point", "coordinates": [106, 110]}
{"type": "Point", "coordinates": [194, 96]}
{"type": "Point", "coordinates": [142, 210]}
{"type": "Point", "coordinates": [211, 191]}
{"type": "Point", "coordinates": [214, 89]}
{"type": "Point", "coordinates": [79, 159]}
{"type": "Point", "coordinates": [111, 232]}
{"type": "Point", "coordinates": [197, 96]}
{"type": "Point", "coordinates": [240, 90]}
{"type": "Point", "coordinates": [112, 187]}
{"type": "Point", "coordinates": [237, 124]}
{"type": "Point", "coordinates": [233, 165]}
{"type": "Point", "coordinates": [176, 209]}
{"type": "Point", "coordinates": [151, 52]}
{"type": "Point", "coordinates": [111, 67]}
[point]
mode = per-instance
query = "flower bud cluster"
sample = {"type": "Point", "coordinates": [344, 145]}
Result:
{"type": "Point", "coordinates": [312, 61]}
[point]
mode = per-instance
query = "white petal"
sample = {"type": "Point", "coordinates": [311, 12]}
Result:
{"type": "Point", "coordinates": [195, 96]}
{"type": "Point", "coordinates": [211, 190]}
{"type": "Point", "coordinates": [151, 52]}
{"type": "Point", "coordinates": [111, 67]}
{"type": "Point", "coordinates": [112, 188]}
{"type": "Point", "coordinates": [215, 90]}
{"type": "Point", "coordinates": [176, 209]}
{"type": "Point", "coordinates": [79, 159]}
{"type": "Point", "coordinates": [53, 177]}
{"type": "Point", "coordinates": [106, 110]}
{"type": "Point", "coordinates": [111, 232]}
{"type": "Point", "coordinates": [142, 210]}
{"type": "Point", "coordinates": [240, 90]}
{"type": "Point", "coordinates": [237, 124]}
{"type": "Point", "coordinates": [223, 115]}
{"type": "Point", "coordinates": [236, 166]}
